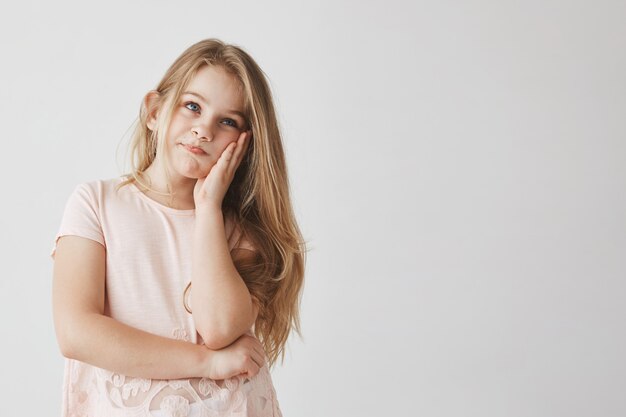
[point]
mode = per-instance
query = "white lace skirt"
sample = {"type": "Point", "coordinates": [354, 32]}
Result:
{"type": "Point", "coordinates": [192, 410]}
{"type": "Point", "coordinates": [205, 408]}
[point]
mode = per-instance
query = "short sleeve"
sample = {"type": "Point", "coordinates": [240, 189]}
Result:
{"type": "Point", "coordinates": [80, 217]}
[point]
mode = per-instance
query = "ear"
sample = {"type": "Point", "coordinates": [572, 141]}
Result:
{"type": "Point", "coordinates": [150, 101]}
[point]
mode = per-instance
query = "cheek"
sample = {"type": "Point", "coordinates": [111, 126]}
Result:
{"type": "Point", "coordinates": [223, 146]}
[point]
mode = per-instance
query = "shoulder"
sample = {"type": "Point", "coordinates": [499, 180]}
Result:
{"type": "Point", "coordinates": [83, 194]}
{"type": "Point", "coordinates": [96, 186]}
{"type": "Point", "coordinates": [100, 188]}
{"type": "Point", "coordinates": [92, 196]}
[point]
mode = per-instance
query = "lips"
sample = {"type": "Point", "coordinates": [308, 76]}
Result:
{"type": "Point", "coordinates": [194, 149]}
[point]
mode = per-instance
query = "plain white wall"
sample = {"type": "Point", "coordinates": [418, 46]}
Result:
{"type": "Point", "coordinates": [458, 168]}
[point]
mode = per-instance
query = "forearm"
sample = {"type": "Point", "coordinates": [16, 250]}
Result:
{"type": "Point", "coordinates": [109, 344]}
{"type": "Point", "coordinates": [221, 303]}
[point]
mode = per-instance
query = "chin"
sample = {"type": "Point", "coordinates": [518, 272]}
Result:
{"type": "Point", "coordinates": [193, 175]}
{"type": "Point", "coordinates": [193, 172]}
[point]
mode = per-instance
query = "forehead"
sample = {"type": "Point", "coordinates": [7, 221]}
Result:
{"type": "Point", "coordinates": [218, 87]}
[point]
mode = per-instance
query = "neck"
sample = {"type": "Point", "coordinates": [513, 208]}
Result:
{"type": "Point", "coordinates": [180, 186]}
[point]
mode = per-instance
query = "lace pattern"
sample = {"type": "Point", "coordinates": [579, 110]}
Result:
{"type": "Point", "coordinates": [93, 392]}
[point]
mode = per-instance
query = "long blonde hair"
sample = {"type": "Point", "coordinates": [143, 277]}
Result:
{"type": "Point", "coordinates": [258, 199]}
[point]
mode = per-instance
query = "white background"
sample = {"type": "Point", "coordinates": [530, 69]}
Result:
{"type": "Point", "coordinates": [458, 169]}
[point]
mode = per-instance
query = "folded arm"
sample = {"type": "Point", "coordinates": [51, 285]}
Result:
{"type": "Point", "coordinates": [221, 304]}
{"type": "Point", "coordinates": [84, 333]}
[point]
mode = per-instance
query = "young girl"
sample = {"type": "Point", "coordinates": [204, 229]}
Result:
{"type": "Point", "coordinates": [176, 286]}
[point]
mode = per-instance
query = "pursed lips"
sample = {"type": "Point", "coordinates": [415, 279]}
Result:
{"type": "Point", "coordinates": [194, 149]}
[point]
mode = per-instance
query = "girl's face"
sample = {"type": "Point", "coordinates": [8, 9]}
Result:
{"type": "Point", "coordinates": [206, 119]}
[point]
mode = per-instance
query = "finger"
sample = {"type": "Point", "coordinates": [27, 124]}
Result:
{"type": "Point", "coordinates": [254, 366]}
{"type": "Point", "coordinates": [227, 155]}
{"type": "Point", "coordinates": [220, 168]}
{"type": "Point", "coordinates": [258, 359]}
{"type": "Point", "coordinates": [241, 141]}
{"type": "Point", "coordinates": [260, 351]}
{"type": "Point", "coordinates": [257, 354]}
{"type": "Point", "coordinates": [240, 149]}
{"type": "Point", "coordinates": [246, 142]}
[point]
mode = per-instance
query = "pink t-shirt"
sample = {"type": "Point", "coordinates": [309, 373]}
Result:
{"type": "Point", "coordinates": [148, 247]}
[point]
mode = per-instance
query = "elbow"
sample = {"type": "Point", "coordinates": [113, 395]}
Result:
{"type": "Point", "coordinates": [66, 351]}
{"type": "Point", "coordinates": [216, 340]}
{"type": "Point", "coordinates": [220, 335]}
{"type": "Point", "coordinates": [215, 344]}
{"type": "Point", "coordinates": [66, 347]}
{"type": "Point", "coordinates": [69, 333]}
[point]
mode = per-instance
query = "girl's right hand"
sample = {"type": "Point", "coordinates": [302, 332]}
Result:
{"type": "Point", "coordinates": [244, 356]}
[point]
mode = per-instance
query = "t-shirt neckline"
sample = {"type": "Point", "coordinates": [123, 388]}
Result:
{"type": "Point", "coordinates": [154, 203]}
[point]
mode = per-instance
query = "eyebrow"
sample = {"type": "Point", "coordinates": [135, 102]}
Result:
{"type": "Point", "coordinates": [243, 116]}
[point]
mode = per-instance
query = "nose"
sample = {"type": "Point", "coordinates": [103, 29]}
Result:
{"type": "Point", "coordinates": [202, 133]}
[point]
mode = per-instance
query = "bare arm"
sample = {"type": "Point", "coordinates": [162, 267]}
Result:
{"type": "Point", "coordinates": [221, 304]}
{"type": "Point", "coordinates": [84, 333]}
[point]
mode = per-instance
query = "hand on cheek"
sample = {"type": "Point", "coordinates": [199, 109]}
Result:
{"type": "Point", "coordinates": [210, 191]}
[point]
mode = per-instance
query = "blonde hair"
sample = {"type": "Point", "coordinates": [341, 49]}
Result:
{"type": "Point", "coordinates": [258, 198]}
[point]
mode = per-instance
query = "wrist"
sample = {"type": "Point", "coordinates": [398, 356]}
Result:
{"type": "Point", "coordinates": [206, 361]}
{"type": "Point", "coordinates": [208, 208]}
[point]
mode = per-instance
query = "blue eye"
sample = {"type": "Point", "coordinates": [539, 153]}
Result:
{"type": "Point", "coordinates": [234, 124]}
{"type": "Point", "coordinates": [191, 103]}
